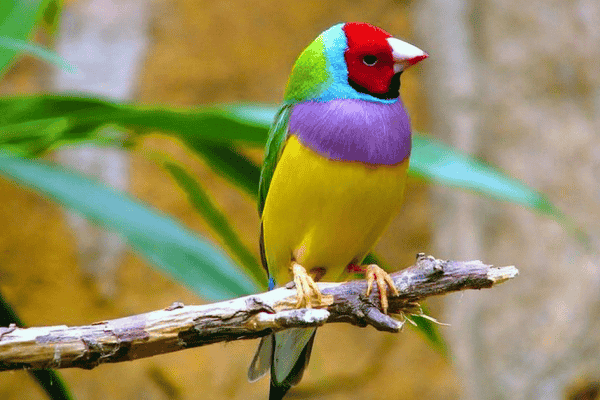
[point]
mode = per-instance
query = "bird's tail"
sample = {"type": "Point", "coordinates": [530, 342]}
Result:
{"type": "Point", "coordinates": [287, 354]}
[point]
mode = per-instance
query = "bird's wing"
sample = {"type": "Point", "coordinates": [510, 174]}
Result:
{"type": "Point", "coordinates": [275, 144]}
{"type": "Point", "coordinates": [310, 77]}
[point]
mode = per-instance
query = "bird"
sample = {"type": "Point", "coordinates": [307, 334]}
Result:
{"type": "Point", "coordinates": [333, 177]}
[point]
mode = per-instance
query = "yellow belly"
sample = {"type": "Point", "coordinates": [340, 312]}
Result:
{"type": "Point", "coordinates": [325, 213]}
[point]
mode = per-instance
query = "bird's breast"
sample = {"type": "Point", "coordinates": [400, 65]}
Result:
{"type": "Point", "coordinates": [326, 213]}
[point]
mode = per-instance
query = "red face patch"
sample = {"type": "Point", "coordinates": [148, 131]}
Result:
{"type": "Point", "coordinates": [369, 58]}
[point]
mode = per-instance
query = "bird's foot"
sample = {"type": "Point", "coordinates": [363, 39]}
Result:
{"type": "Point", "coordinates": [305, 287]}
{"type": "Point", "coordinates": [376, 274]}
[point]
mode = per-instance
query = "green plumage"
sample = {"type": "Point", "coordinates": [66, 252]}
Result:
{"type": "Point", "coordinates": [309, 75]}
{"type": "Point", "coordinates": [275, 144]}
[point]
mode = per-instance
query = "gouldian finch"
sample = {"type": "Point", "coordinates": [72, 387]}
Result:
{"type": "Point", "coordinates": [333, 176]}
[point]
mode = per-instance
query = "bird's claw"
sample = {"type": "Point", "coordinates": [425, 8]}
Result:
{"type": "Point", "coordinates": [376, 274]}
{"type": "Point", "coordinates": [305, 287]}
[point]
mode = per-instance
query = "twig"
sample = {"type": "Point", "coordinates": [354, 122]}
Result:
{"type": "Point", "coordinates": [180, 327]}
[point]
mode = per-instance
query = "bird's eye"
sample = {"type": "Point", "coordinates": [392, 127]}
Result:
{"type": "Point", "coordinates": [370, 60]}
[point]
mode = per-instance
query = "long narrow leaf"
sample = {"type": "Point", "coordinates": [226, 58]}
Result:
{"type": "Point", "coordinates": [18, 18]}
{"type": "Point", "coordinates": [224, 124]}
{"type": "Point", "coordinates": [22, 46]}
{"type": "Point", "coordinates": [439, 163]}
{"type": "Point", "coordinates": [430, 331]}
{"type": "Point", "coordinates": [217, 220]}
{"type": "Point", "coordinates": [51, 16]}
{"type": "Point", "coordinates": [52, 383]}
{"type": "Point", "coordinates": [227, 162]}
{"type": "Point", "coordinates": [158, 238]}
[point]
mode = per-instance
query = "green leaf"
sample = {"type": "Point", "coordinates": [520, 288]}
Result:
{"type": "Point", "coordinates": [430, 331]}
{"type": "Point", "coordinates": [52, 16]}
{"type": "Point", "coordinates": [229, 163]}
{"type": "Point", "coordinates": [22, 46]}
{"type": "Point", "coordinates": [217, 220]}
{"type": "Point", "coordinates": [44, 129]}
{"type": "Point", "coordinates": [439, 163]}
{"type": "Point", "coordinates": [52, 383]}
{"type": "Point", "coordinates": [210, 132]}
{"type": "Point", "coordinates": [18, 18]}
{"type": "Point", "coordinates": [216, 124]}
{"type": "Point", "coordinates": [158, 238]}
{"type": "Point", "coordinates": [8, 315]}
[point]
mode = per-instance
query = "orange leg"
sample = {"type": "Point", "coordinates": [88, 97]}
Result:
{"type": "Point", "coordinates": [305, 287]}
{"type": "Point", "coordinates": [376, 274]}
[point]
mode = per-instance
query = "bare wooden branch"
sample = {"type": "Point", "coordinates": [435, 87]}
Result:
{"type": "Point", "coordinates": [179, 327]}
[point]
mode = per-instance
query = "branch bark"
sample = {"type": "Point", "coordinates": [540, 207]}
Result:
{"type": "Point", "coordinates": [179, 327]}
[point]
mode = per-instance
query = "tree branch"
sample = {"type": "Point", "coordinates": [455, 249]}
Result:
{"type": "Point", "coordinates": [179, 327]}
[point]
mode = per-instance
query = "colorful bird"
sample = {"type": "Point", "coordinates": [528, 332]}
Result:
{"type": "Point", "coordinates": [333, 176]}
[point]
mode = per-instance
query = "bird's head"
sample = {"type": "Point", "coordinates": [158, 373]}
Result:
{"type": "Point", "coordinates": [352, 60]}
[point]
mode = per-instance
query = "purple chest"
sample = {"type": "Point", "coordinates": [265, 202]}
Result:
{"type": "Point", "coordinates": [354, 130]}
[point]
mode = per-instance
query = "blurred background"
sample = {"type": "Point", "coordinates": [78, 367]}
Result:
{"type": "Point", "coordinates": [515, 84]}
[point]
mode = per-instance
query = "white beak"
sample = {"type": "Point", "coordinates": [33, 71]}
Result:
{"type": "Point", "coordinates": [405, 54]}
